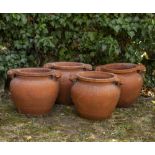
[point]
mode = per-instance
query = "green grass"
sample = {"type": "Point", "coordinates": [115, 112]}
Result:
{"type": "Point", "coordinates": [63, 124]}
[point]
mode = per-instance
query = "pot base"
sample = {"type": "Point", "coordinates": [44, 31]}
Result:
{"type": "Point", "coordinates": [45, 113]}
{"type": "Point", "coordinates": [125, 105]}
{"type": "Point", "coordinates": [95, 118]}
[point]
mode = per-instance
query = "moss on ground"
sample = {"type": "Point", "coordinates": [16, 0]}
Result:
{"type": "Point", "coordinates": [136, 123]}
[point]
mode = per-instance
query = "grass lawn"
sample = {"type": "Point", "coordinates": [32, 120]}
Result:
{"type": "Point", "coordinates": [136, 123]}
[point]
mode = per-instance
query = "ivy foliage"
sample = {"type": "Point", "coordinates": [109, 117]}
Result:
{"type": "Point", "coordinates": [34, 39]}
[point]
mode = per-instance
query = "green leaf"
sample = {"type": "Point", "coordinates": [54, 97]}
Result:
{"type": "Point", "coordinates": [91, 35]}
{"type": "Point", "coordinates": [117, 28]}
{"type": "Point", "coordinates": [24, 19]}
{"type": "Point", "coordinates": [131, 34]}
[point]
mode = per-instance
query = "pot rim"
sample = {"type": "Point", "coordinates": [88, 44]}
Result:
{"type": "Point", "coordinates": [66, 65]}
{"type": "Point", "coordinates": [97, 76]}
{"type": "Point", "coordinates": [128, 67]}
{"type": "Point", "coordinates": [34, 72]}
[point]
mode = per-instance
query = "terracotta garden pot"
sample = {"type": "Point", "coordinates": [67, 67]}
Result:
{"type": "Point", "coordinates": [95, 94]}
{"type": "Point", "coordinates": [131, 78]}
{"type": "Point", "coordinates": [67, 69]}
{"type": "Point", "coordinates": [34, 90]}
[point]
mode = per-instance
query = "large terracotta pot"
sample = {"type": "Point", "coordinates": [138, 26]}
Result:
{"type": "Point", "coordinates": [131, 78]}
{"type": "Point", "coordinates": [95, 94]}
{"type": "Point", "coordinates": [67, 69]}
{"type": "Point", "coordinates": [34, 90]}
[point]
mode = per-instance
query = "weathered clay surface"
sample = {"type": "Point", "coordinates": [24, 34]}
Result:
{"type": "Point", "coordinates": [67, 69]}
{"type": "Point", "coordinates": [34, 90]}
{"type": "Point", "coordinates": [95, 94]}
{"type": "Point", "coordinates": [131, 79]}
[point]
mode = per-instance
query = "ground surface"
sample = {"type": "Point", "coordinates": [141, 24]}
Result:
{"type": "Point", "coordinates": [63, 124]}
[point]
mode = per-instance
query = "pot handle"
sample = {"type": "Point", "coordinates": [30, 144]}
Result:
{"type": "Point", "coordinates": [49, 65]}
{"type": "Point", "coordinates": [11, 73]}
{"type": "Point", "coordinates": [56, 74]}
{"type": "Point", "coordinates": [141, 68]}
{"type": "Point", "coordinates": [87, 67]}
{"type": "Point", "coordinates": [73, 78]}
{"type": "Point", "coordinates": [98, 68]}
{"type": "Point", "coordinates": [117, 82]}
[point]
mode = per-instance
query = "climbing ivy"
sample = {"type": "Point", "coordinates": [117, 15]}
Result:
{"type": "Point", "coordinates": [34, 39]}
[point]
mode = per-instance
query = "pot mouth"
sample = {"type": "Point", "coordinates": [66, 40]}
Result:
{"type": "Point", "coordinates": [67, 65]}
{"type": "Point", "coordinates": [119, 67]}
{"type": "Point", "coordinates": [97, 76]}
{"type": "Point", "coordinates": [34, 72]}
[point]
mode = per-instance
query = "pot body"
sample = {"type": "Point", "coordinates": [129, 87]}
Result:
{"type": "Point", "coordinates": [64, 96]}
{"type": "Point", "coordinates": [130, 89]}
{"type": "Point", "coordinates": [95, 100]}
{"type": "Point", "coordinates": [34, 95]}
{"type": "Point", "coordinates": [131, 81]}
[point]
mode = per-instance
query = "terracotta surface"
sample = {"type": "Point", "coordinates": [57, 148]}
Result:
{"type": "Point", "coordinates": [95, 94]}
{"type": "Point", "coordinates": [34, 90]}
{"type": "Point", "coordinates": [131, 77]}
{"type": "Point", "coordinates": [67, 69]}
